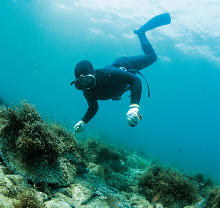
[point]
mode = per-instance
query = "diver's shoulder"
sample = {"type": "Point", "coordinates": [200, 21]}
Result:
{"type": "Point", "coordinates": [104, 69]}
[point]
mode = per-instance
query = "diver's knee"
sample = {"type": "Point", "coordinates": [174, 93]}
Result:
{"type": "Point", "coordinates": [154, 57]}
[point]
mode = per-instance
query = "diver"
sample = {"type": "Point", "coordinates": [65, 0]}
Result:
{"type": "Point", "coordinates": [113, 80]}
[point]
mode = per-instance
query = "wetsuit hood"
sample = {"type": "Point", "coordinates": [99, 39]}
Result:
{"type": "Point", "coordinates": [84, 73]}
{"type": "Point", "coordinates": [83, 68]}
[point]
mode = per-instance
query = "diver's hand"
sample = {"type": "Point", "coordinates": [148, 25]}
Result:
{"type": "Point", "coordinates": [133, 115]}
{"type": "Point", "coordinates": [79, 127]}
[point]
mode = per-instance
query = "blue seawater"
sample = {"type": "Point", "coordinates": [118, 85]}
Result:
{"type": "Point", "coordinates": [41, 41]}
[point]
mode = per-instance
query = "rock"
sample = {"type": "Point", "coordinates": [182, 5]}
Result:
{"type": "Point", "coordinates": [62, 197]}
{"type": "Point", "coordinates": [67, 192]}
{"type": "Point", "coordinates": [1, 171]}
{"type": "Point", "coordinates": [7, 188]}
{"type": "Point", "coordinates": [138, 201]}
{"type": "Point", "coordinates": [5, 201]}
{"type": "Point", "coordinates": [81, 192]}
{"type": "Point", "coordinates": [42, 197]}
{"type": "Point", "coordinates": [158, 205]}
{"type": "Point", "coordinates": [42, 151]}
{"type": "Point", "coordinates": [57, 203]}
{"type": "Point", "coordinates": [19, 181]}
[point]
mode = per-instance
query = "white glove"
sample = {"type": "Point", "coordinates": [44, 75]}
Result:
{"type": "Point", "coordinates": [79, 127]}
{"type": "Point", "coordinates": [133, 115]}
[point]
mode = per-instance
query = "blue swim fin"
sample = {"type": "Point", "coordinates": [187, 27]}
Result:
{"type": "Point", "coordinates": [157, 21]}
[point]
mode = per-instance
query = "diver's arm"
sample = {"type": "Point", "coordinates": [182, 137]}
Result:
{"type": "Point", "coordinates": [92, 110]}
{"type": "Point", "coordinates": [133, 115]}
{"type": "Point", "coordinates": [129, 79]}
{"type": "Point", "coordinates": [136, 90]}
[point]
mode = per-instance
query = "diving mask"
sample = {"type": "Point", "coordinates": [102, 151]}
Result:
{"type": "Point", "coordinates": [85, 82]}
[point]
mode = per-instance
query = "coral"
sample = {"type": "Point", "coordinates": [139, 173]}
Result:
{"type": "Point", "coordinates": [28, 199]}
{"type": "Point", "coordinates": [168, 187]}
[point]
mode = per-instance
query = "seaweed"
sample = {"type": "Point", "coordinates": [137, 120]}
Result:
{"type": "Point", "coordinates": [168, 186]}
{"type": "Point", "coordinates": [27, 132]}
{"type": "Point", "coordinates": [111, 163]}
{"type": "Point", "coordinates": [12, 120]}
{"type": "Point", "coordinates": [213, 198]}
{"type": "Point", "coordinates": [111, 200]}
{"type": "Point", "coordinates": [40, 149]}
{"type": "Point", "coordinates": [35, 141]}
{"type": "Point", "coordinates": [118, 181]}
{"type": "Point", "coordinates": [28, 199]}
{"type": "Point", "coordinates": [204, 184]}
{"type": "Point", "coordinates": [102, 154]}
{"type": "Point", "coordinates": [47, 154]}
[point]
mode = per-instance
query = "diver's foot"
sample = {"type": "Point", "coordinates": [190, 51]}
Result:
{"type": "Point", "coordinates": [157, 21]}
{"type": "Point", "coordinates": [139, 32]}
{"type": "Point", "coordinates": [136, 31]}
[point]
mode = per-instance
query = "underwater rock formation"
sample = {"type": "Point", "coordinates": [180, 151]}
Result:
{"type": "Point", "coordinates": [165, 185]}
{"type": "Point", "coordinates": [41, 151]}
{"type": "Point", "coordinates": [43, 166]}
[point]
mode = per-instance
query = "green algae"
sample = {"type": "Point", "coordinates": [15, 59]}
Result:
{"type": "Point", "coordinates": [49, 157]}
{"type": "Point", "coordinates": [213, 197]}
{"type": "Point", "coordinates": [107, 156]}
{"type": "Point", "coordinates": [168, 186]}
{"type": "Point", "coordinates": [43, 151]}
{"type": "Point", "coordinates": [28, 199]}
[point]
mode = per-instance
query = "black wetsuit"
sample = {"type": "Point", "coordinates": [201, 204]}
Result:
{"type": "Point", "coordinates": [113, 80]}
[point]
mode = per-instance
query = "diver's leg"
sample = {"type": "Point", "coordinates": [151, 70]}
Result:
{"type": "Point", "coordinates": [157, 21]}
{"type": "Point", "coordinates": [141, 61]}
{"type": "Point", "coordinates": [146, 46]}
{"type": "Point", "coordinates": [137, 62]}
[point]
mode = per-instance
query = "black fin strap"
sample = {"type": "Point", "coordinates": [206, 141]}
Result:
{"type": "Point", "coordinates": [146, 82]}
